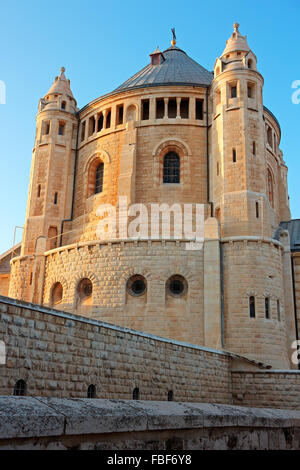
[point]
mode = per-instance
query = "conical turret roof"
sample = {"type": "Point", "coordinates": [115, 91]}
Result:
{"type": "Point", "coordinates": [236, 42]}
{"type": "Point", "coordinates": [61, 85]}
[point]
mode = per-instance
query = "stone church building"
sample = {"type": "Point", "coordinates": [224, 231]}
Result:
{"type": "Point", "coordinates": [173, 133]}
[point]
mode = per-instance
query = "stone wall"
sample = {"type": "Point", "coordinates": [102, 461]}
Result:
{"type": "Point", "coordinates": [60, 355]}
{"type": "Point", "coordinates": [83, 424]}
{"type": "Point", "coordinates": [275, 389]}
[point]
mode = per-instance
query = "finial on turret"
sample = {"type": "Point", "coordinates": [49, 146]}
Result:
{"type": "Point", "coordinates": [173, 42]}
{"type": "Point", "coordinates": [62, 69]}
{"type": "Point", "coordinates": [236, 26]}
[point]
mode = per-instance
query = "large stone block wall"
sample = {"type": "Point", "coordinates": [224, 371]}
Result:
{"type": "Point", "coordinates": [110, 265]}
{"type": "Point", "coordinates": [254, 268]}
{"type": "Point", "coordinates": [60, 355]}
{"type": "Point", "coordinates": [275, 389]}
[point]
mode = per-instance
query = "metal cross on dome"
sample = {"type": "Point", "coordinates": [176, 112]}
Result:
{"type": "Point", "coordinates": [173, 42]}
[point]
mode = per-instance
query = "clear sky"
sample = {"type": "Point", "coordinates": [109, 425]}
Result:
{"type": "Point", "coordinates": [101, 44]}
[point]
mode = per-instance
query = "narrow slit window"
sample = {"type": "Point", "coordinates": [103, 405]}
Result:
{"type": "Point", "coordinates": [82, 135]}
{"type": "Point", "coordinates": [55, 198]}
{"type": "Point", "coordinates": [278, 310]}
{"type": "Point", "coordinates": [108, 119]}
{"type": "Point", "coordinates": [160, 108]}
{"type": "Point", "coordinates": [136, 394]}
{"type": "Point", "coordinates": [172, 108]}
{"type": "Point", "coordinates": [39, 191]}
{"type": "Point", "coordinates": [170, 395]}
{"type": "Point", "coordinates": [63, 105]}
{"type": "Point", "coordinates": [253, 148]}
{"type": "Point", "coordinates": [234, 155]}
{"type": "Point", "coordinates": [252, 306]}
{"type": "Point", "coordinates": [100, 122]}
{"type": "Point", "coordinates": [99, 178]}
{"type": "Point", "coordinates": [257, 210]}
{"type": "Point", "coordinates": [267, 308]}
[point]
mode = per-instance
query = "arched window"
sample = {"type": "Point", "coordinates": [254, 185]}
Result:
{"type": "Point", "coordinates": [136, 394]}
{"type": "Point", "coordinates": [99, 178]}
{"type": "Point", "coordinates": [170, 395]}
{"type": "Point", "coordinates": [84, 292]}
{"type": "Point", "coordinates": [171, 168]}
{"type": "Point", "coordinates": [269, 136]}
{"type": "Point", "coordinates": [63, 105]}
{"type": "Point", "coordinates": [252, 306]}
{"type": "Point", "coordinates": [270, 187]}
{"type": "Point", "coordinates": [20, 388]}
{"type": "Point", "coordinates": [56, 294]}
{"type": "Point", "coordinates": [91, 391]}
{"type": "Point", "coordinates": [250, 64]}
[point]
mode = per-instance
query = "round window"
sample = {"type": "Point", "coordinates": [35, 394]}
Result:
{"type": "Point", "coordinates": [136, 285]}
{"type": "Point", "coordinates": [176, 286]}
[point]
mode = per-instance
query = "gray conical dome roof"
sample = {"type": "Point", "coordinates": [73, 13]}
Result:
{"type": "Point", "coordinates": [177, 69]}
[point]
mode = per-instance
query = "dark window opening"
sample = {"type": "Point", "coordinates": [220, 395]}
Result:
{"type": "Point", "coordinates": [199, 109]}
{"type": "Point", "coordinates": [120, 114]}
{"type": "Point", "coordinates": [170, 395]}
{"type": "Point", "coordinates": [39, 191]}
{"type": "Point", "coordinates": [136, 394]}
{"type": "Point", "coordinates": [257, 210]}
{"type": "Point", "coordinates": [91, 391]}
{"type": "Point", "coordinates": [160, 109]}
{"type": "Point", "coordinates": [145, 110]}
{"type": "Point", "coordinates": [269, 136]}
{"type": "Point", "coordinates": [100, 122]}
{"type": "Point", "coordinates": [172, 108]}
{"type": "Point", "coordinates": [184, 108]}
{"type": "Point", "coordinates": [63, 105]}
{"type": "Point", "coordinates": [136, 285]}
{"type": "Point", "coordinates": [99, 178]}
{"type": "Point", "coordinates": [55, 198]}
{"type": "Point", "coordinates": [61, 128]}
{"type": "Point", "coordinates": [267, 307]}
{"type": "Point", "coordinates": [218, 168]}
{"type": "Point", "coordinates": [20, 388]}
{"type": "Point", "coordinates": [233, 90]}
{"type": "Point", "coordinates": [252, 306]}
{"type": "Point", "coordinates": [171, 168]}
{"type": "Point", "coordinates": [234, 155]}
{"type": "Point", "coordinates": [253, 148]}
{"type": "Point", "coordinates": [176, 285]}
{"type": "Point", "coordinates": [108, 119]}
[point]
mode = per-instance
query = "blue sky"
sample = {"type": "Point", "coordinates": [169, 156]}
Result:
{"type": "Point", "coordinates": [101, 44]}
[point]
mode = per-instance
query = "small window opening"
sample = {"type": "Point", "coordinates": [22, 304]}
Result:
{"type": "Point", "coordinates": [253, 148]}
{"type": "Point", "coordinates": [234, 155]}
{"type": "Point", "coordinates": [20, 388]}
{"type": "Point", "coordinates": [61, 128]}
{"type": "Point", "coordinates": [55, 198]}
{"type": "Point", "coordinates": [172, 108]}
{"type": "Point", "coordinates": [218, 168]}
{"type": "Point", "coordinates": [108, 119]}
{"type": "Point", "coordinates": [267, 307]}
{"type": "Point", "coordinates": [99, 178]}
{"type": "Point", "coordinates": [63, 105]}
{"type": "Point", "coordinates": [252, 306]}
{"type": "Point", "coordinates": [100, 122]}
{"type": "Point", "coordinates": [170, 395]}
{"type": "Point", "coordinates": [120, 114]}
{"type": "Point", "coordinates": [91, 391]}
{"type": "Point", "coordinates": [171, 170]}
{"type": "Point", "coordinates": [184, 108]}
{"type": "Point", "coordinates": [92, 125]}
{"type": "Point", "coordinates": [39, 191]}
{"type": "Point", "coordinates": [136, 394]}
{"type": "Point", "coordinates": [257, 210]}
{"type": "Point", "coordinates": [145, 110]}
{"type": "Point", "coordinates": [233, 91]}
{"type": "Point", "coordinates": [160, 108]}
{"type": "Point", "coordinates": [199, 109]}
